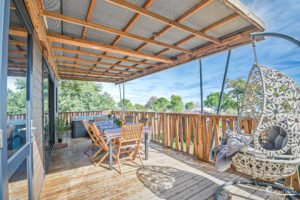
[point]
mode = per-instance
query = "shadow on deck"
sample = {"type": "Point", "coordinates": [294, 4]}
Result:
{"type": "Point", "coordinates": [168, 174]}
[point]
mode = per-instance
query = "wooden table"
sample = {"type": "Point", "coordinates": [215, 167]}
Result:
{"type": "Point", "coordinates": [112, 131]}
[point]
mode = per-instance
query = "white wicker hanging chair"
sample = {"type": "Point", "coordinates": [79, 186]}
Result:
{"type": "Point", "coordinates": [271, 100]}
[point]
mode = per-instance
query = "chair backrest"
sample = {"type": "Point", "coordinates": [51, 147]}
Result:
{"type": "Point", "coordinates": [101, 118]}
{"type": "Point", "coordinates": [129, 119]}
{"type": "Point", "coordinates": [89, 131]}
{"type": "Point", "coordinates": [143, 120]}
{"type": "Point", "coordinates": [132, 132]}
{"type": "Point", "coordinates": [99, 136]}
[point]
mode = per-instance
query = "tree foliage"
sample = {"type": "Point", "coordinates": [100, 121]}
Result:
{"type": "Point", "coordinates": [78, 96]}
{"type": "Point", "coordinates": [189, 106]}
{"type": "Point", "coordinates": [237, 89]}
{"type": "Point", "coordinates": [176, 104]}
{"type": "Point", "coordinates": [212, 101]}
{"type": "Point", "coordinates": [16, 100]}
{"type": "Point", "coordinates": [161, 104]}
{"type": "Point", "coordinates": [127, 105]}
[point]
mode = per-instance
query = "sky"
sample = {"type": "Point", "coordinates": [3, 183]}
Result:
{"type": "Point", "coordinates": [279, 16]}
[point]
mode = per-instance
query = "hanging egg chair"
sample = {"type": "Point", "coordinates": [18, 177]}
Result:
{"type": "Point", "coordinates": [272, 104]}
{"type": "Point", "coordinates": [272, 101]}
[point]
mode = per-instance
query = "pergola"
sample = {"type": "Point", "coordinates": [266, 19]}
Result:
{"type": "Point", "coordinates": [117, 41]}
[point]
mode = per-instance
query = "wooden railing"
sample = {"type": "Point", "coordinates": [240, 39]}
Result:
{"type": "Point", "coordinates": [190, 133]}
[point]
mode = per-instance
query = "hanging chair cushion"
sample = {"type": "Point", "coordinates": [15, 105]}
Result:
{"type": "Point", "coordinates": [231, 145]}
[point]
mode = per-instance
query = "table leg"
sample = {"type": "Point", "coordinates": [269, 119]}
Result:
{"type": "Point", "coordinates": [146, 146]}
{"type": "Point", "coordinates": [110, 154]}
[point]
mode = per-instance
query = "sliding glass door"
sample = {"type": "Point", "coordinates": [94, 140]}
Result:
{"type": "Point", "coordinates": [15, 108]}
{"type": "Point", "coordinates": [48, 119]}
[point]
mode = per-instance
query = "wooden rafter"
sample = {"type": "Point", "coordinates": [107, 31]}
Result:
{"type": "Point", "coordinates": [104, 47]}
{"type": "Point", "coordinates": [18, 31]}
{"type": "Point", "coordinates": [82, 78]}
{"type": "Point", "coordinates": [184, 16]}
{"type": "Point", "coordinates": [142, 11]}
{"type": "Point", "coordinates": [17, 42]}
{"type": "Point", "coordinates": [204, 30]}
{"type": "Point", "coordinates": [79, 66]}
{"type": "Point", "coordinates": [110, 30]}
{"type": "Point", "coordinates": [17, 52]}
{"type": "Point", "coordinates": [94, 74]}
{"type": "Point", "coordinates": [98, 55]}
{"type": "Point", "coordinates": [91, 62]}
{"type": "Point", "coordinates": [87, 72]}
{"type": "Point", "coordinates": [33, 7]}
{"type": "Point", "coordinates": [85, 66]}
{"type": "Point", "coordinates": [227, 43]}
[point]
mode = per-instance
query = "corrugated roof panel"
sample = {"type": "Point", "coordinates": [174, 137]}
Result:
{"type": "Point", "coordinates": [170, 53]}
{"type": "Point", "coordinates": [235, 25]}
{"type": "Point", "coordinates": [193, 43]}
{"type": "Point", "coordinates": [172, 9]}
{"type": "Point", "coordinates": [72, 30]}
{"type": "Point", "coordinates": [99, 36]}
{"type": "Point", "coordinates": [146, 27]}
{"type": "Point", "coordinates": [173, 36]}
{"type": "Point", "coordinates": [152, 49]}
{"type": "Point", "coordinates": [211, 13]}
{"type": "Point", "coordinates": [75, 8]}
{"type": "Point", "coordinates": [129, 43]}
{"type": "Point", "coordinates": [109, 61]}
{"type": "Point", "coordinates": [110, 15]}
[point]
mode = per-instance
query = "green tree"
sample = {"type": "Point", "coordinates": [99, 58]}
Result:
{"type": "Point", "coordinates": [78, 96]}
{"type": "Point", "coordinates": [212, 101]}
{"type": "Point", "coordinates": [176, 104]}
{"type": "Point", "coordinates": [127, 105]}
{"type": "Point", "coordinates": [139, 107]}
{"type": "Point", "coordinates": [16, 100]}
{"type": "Point", "coordinates": [189, 105]}
{"type": "Point", "coordinates": [161, 104]}
{"type": "Point", "coordinates": [150, 105]}
{"type": "Point", "coordinates": [236, 90]}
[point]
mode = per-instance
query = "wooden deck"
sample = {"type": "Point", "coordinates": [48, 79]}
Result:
{"type": "Point", "coordinates": [168, 174]}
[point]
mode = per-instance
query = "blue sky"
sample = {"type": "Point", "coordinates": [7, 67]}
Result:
{"type": "Point", "coordinates": [279, 16]}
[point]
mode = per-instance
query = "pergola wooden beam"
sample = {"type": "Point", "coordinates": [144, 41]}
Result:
{"type": "Point", "coordinates": [18, 31]}
{"type": "Point", "coordinates": [104, 47]}
{"type": "Point", "coordinates": [17, 42]}
{"type": "Point", "coordinates": [145, 12]}
{"type": "Point", "coordinates": [130, 24]}
{"type": "Point", "coordinates": [227, 43]}
{"type": "Point", "coordinates": [79, 66]}
{"type": "Point", "coordinates": [83, 78]}
{"type": "Point", "coordinates": [107, 29]}
{"type": "Point", "coordinates": [98, 55]}
{"type": "Point", "coordinates": [88, 72]}
{"type": "Point", "coordinates": [17, 52]}
{"type": "Point", "coordinates": [93, 62]}
{"type": "Point", "coordinates": [40, 29]}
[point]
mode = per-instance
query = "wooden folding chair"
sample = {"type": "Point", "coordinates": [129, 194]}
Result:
{"type": "Point", "coordinates": [129, 143]}
{"type": "Point", "coordinates": [95, 141]}
{"type": "Point", "coordinates": [103, 142]}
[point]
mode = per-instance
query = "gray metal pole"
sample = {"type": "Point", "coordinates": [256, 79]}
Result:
{"type": "Point", "coordinates": [120, 97]}
{"type": "Point", "coordinates": [223, 84]}
{"type": "Point", "coordinates": [124, 106]}
{"type": "Point", "coordinates": [201, 85]}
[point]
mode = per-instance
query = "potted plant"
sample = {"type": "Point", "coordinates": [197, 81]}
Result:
{"type": "Point", "coordinates": [60, 126]}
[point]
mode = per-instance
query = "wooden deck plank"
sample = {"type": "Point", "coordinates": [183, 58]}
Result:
{"type": "Point", "coordinates": [168, 174]}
